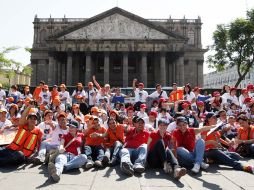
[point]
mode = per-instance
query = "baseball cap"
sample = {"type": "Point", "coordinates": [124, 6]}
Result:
{"type": "Point", "coordinates": [141, 84]}
{"type": "Point", "coordinates": [74, 124]}
{"type": "Point", "coordinates": [153, 113]}
{"type": "Point", "coordinates": [3, 109]}
{"type": "Point", "coordinates": [32, 114]}
{"type": "Point", "coordinates": [210, 115]}
{"type": "Point", "coordinates": [163, 121]}
{"type": "Point", "coordinates": [216, 93]}
{"type": "Point", "coordinates": [143, 106]}
{"type": "Point", "coordinates": [140, 119]}
{"type": "Point", "coordinates": [181, 119]}
{"type": "Point", "coordinates": [250, 86]}
{"type": "Point", "coordinates": [62, 114]}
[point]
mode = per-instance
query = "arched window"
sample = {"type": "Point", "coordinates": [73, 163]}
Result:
{"type": "Point", "coordinates": [191, 36]}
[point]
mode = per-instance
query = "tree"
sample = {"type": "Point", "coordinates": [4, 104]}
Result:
{"type": "Point", "coordinates": [9, 67]}
{"type": "Point", "coordinates": [234, 46]}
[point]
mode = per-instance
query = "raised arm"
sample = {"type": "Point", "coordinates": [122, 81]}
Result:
{"type": "Point", "coordinates": [96, 83]}
{"type": "Point", "coordinates": [134, 84]}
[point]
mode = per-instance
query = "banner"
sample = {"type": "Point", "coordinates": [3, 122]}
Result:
{"type": "Point", "coordinates": [7, 136]}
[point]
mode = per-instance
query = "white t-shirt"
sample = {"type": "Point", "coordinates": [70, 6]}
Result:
{"type": "Point", "coordinates": [66, 95]}
{"type": "Point", "coordinates": [46, 130]}
{"type": "Point", "coordinates": [156, 95]}
{"type": "Point", "coordinates": [2, 94]}
{"type": "Point", "coordinates": [140, 95]}
{"type": "Point", "coordinates": [154, 124]}
{"type": "Point", "coordinates": [171, 127]}
{"type": "Point", "coordinates": [230, 99]}
{"type": "Point", "coordinates": [167, 116]}
{"type": "Point", "coordinates": [142, 115]}
{"type": "Point", "coordinates": [57, 133]}
{"type": "Point", "coordinates": [91, 98]}
{"type": "Point", "coordinates": [5, 123]}
{"type": "Point", "coordinates": [45, 96]}
{"type": "Point", "coordinates": [190, 97]}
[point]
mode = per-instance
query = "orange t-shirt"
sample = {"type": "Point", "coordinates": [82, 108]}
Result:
{"type": "Point", "coordinates": [243, 133]}
{"type": "Point", "coordinates": [215, 136]}
{"type": "Point", "coordinates": [117, 135]}
{"type": "Point", "coordinates": [54, 94]}
{"type": "Point", "coordinates": [37, 92]}
{"type": "Point", "coordinates": [97, 140]}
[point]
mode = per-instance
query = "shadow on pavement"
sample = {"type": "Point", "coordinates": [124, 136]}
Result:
{"type": "Point", "coordinates": [160, 174]}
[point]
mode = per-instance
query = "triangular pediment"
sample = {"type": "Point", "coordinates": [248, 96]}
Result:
{"type": "Point", "coordinates": [116, 24]}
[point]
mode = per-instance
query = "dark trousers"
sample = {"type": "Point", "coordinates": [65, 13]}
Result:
{"type": "Point", "coordinates": [225, 158]}
{"type": "Point", "coordinates": [159, 154]}
{"type": "Point", "coordinates": [94, 152]}
{"type": "Point", "coordinates": [11, 157]}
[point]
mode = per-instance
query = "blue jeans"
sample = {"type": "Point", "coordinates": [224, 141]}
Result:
{"type": "Point", "coordinates": [68, 161]}
{"type": "Point", "coordinates": [46, 147]}
{"type": "Point", "coordinates": [187, 158]}
{"type": "Point", "coordinates": [134, 156]}
{"type": "Point", "coordinates": [114, 151]}
{"type": "Point", "coordinates": [224, 157]}
{"type": "Point", "coordinates": [94, 152]}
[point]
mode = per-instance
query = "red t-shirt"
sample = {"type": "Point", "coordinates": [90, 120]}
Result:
{"type": "Point", "coordinates": [75, 145]}
{"type": "Point", "coordinates": [186, 140]}
{"type": "Point", "coordinates": [134, 139]}
{"type": "Point", "coordinates": [155, 136]}
{"type": "Point", "coordinates": [97, 140]}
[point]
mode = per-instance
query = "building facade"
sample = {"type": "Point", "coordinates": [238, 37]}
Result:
{"type": "Point", "coordinates": [117, 46]}
{"type": "Point", "coordinates": [228, 76]}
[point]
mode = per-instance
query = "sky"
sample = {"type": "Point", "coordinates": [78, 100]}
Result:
{"type": "Point", "coordinates": [16, 16]}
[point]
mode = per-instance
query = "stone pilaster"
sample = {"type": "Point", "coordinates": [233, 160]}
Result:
{"type": "Point", "coordinates": [144, 68]}
{"type": "Point", "coordinates": [106, 67]}
{"type": "Point", "coordinates": [69, 69]}
{"type": "Point", "coordinates": [162, 69]}
{"type": "Point", "coordinates": [51, 69]}
{"type": "Point", "coordinates": [125, 69]}
{"type": "Point", "coordinates": [88, 67]}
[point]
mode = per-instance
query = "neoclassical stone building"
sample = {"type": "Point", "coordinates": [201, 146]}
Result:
{"type": "Point", "coordinates": [117, 46]}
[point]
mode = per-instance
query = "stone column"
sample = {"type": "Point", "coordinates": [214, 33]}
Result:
{"type": "Point", "coordinates": [63, 73]}
{"type": "Point", "coordinates": [51, 70]}
{"type": "Point", "coordinates": [59, 72]}
{"type": "Point", "coordinates": [106, 67]}
{"type": "Point", "coordinates": [144, 68]}
{"type": "Point", "coordinates": [200, 79]}
{"type": "Point", "coordinates": [69, 69]}
{"type": "Point", "coordinates": [180, 70]}
{"type": "Point", "coordinates": [174, 72]}
{"type": "Point", "coordinates": [125, 69]}
{"type": "Point", "coordinates": [162, 69]}
{"type": "Point", "coordinates": [88, 68]}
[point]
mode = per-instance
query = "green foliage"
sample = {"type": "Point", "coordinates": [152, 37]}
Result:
{"type": "Point", "coordinates": [234, 46]}
{"type": "Point", "coordinates": [9, 66]}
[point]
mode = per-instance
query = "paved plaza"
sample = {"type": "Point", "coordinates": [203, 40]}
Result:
{"type": "Point", "coordinates": [218, 177]}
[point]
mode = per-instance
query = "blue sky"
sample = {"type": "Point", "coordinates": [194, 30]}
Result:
{"type": "Point", "coordinates": [16, 16]}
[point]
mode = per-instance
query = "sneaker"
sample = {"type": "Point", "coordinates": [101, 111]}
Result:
{"type": "Point", "coordinates": [167, 168]}
{"type": "Point", "coordinates": [113, 161]}
{"type": "Point", "coordinates": [37, 161]}
{"type": "Point", "coordinates": [179, 172]}
{"type": "Point", "coordinates": [89, 164]}
{"type": "Point", "coordinates": [127, 169]}
{"type": "Point", "coordinates": [105, 160]}
{"type": "Point", "coordinates": [52, 172]}
{"type": "Point", "coordinates": [139, 168]}
{"type": "Point", "coordinates": [98, 163]}
{"type": "Point", "coordinates": [204, 166]}
{"type": "Point", "coordinates": [196, 168]}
